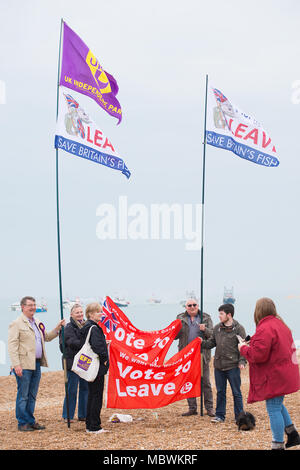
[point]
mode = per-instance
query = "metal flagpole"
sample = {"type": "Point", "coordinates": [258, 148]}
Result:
{"type": "Point", "coordinates": [58, 243]}
{"type": "Point", "coordinates": [202, 235]}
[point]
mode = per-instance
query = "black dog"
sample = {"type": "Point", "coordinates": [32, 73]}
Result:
{"type": "Point", "coordinates": [245, 421]}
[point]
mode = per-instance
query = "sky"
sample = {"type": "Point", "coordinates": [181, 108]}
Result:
{"type": "Point", "coordinates": [160, 53]}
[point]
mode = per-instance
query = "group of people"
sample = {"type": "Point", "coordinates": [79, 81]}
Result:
{"type": "Point", "coordinates": [270, 352]}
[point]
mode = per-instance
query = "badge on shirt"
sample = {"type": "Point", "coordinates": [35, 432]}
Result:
{"type": "Point", "coordinates": [42, 328]}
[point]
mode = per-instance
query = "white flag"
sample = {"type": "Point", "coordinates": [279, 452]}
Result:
{"type": "Point", "coordinates": [231, 129]}
{"type": "Point", "coordinates": [77, 134]}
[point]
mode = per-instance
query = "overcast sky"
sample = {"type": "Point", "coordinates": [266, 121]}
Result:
{"type": "Point", "coordinates": [159, 52]}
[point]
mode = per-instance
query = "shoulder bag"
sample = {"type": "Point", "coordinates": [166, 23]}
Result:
{"type": "Point", "coordinates": [86, 362]}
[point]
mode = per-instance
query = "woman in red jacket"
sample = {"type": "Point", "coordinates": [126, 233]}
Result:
{"type": "Point", "coordinates": [274, 370]}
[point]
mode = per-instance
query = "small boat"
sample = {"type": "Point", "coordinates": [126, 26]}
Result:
{"type": "Point", "coordinates": [154, 301]}
{"type": "Point", "coordinates": [68, 304]}
{"type": "Point", "coordinates": [228, 297]}
{"type": "Point", "coordinates": [120, 302]}
{"type": "Point", "coordinates": [40, 308]}
{"type": "Point", "coordinates": [15, 306]}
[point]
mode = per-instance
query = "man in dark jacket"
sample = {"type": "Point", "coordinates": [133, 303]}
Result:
{"type": "Point", "coordinates": [227, 360]}
{"type": "Point", "coordinates": [191, 329]}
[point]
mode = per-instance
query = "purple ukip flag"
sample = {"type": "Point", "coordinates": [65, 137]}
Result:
{"type": "Point", "coordinates": [82, 72]}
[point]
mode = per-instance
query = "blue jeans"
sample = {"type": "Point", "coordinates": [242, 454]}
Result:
{"type": "Point", "coordinates": [73, 381]}
{"type": "Point", "coordinates": [234, 378]}
{"type": "Point", "coordinates": [279, 417]}
{"type": "Point", "coordinates": [28, 386]}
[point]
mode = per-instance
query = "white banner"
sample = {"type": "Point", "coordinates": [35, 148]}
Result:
{"type": "Point", "coordinates": [77, 134]}
{"type": "Point", "coordinates": [231, 129]}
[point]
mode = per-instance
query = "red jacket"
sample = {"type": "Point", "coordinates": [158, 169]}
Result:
{"type": "Point", "coordinates": [273, 365]}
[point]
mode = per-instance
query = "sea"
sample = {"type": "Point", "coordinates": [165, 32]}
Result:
{"type": "Point", "coordinates": [148, 317]}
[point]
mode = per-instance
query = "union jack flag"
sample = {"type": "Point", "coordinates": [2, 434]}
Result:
{"type": "Point", "coordinates": [219, 95]}
{"type": "Point", "coordinates": [109, 319]}
{"type": "Point", "coordinates": [71, 102]}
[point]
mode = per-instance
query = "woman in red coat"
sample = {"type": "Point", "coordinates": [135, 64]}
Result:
{"type": "Point", "coordinates": [274, 370]}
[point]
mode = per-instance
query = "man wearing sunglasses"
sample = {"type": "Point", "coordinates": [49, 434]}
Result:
{"type": "Point", "coordinates": [191, 329]}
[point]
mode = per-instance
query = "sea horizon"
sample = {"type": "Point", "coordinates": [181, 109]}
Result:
{"type": "Point", "coordinates": [144, 316]}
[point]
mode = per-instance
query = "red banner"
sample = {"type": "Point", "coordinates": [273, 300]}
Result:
{"type": "Point", "coordinates": [149, 346]}
{"type": "Point", "coordinates": [133, 383]}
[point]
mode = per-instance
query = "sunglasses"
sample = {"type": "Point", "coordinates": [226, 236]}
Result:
{"type": "Point", "coordinates": [192, 305]}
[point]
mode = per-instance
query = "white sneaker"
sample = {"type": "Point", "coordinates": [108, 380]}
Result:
{"type": "Point", "coordinates": [216, 420]}
{"type": "Point", "coordinates": [100, 431]}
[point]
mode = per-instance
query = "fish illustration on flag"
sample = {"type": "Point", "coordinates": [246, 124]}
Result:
{"type": "Point", "coordinates": [229, 128]}
{"type": "Point", "coordinates": [76, 133]}
{"type": "Point", "coordinates": [81, 71]}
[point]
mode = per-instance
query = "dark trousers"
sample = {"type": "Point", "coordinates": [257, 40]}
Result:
{"type": "Point", "coordinates": [74, 381]}
{"type": "Point", "coordinates": [206, 389]}
{"type": "Point", "coordinates": [94, 404]}
{"type": "Point", "coordinates": [234, 378]}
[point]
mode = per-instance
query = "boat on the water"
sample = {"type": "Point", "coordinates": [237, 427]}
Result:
{"type": "Point", "coordinates": [40, 308]}
{"type": "Point", "coordinates": [228, 297]}
{"type": "Point", "coordinates": [15, 306]}
{"type": "Point", "coordinates": [68, 304]}
{"type": "Point", "coordinates": [154, 301]}
{"type": "Point", "coordinates": [121, 302]}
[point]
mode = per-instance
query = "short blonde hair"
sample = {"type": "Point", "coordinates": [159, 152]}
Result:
{"type": "Point", "coordinates": [91, 308]}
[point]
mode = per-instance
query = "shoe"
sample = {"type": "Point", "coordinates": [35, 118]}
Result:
{"type": "Point", "coordinates": [81, 419]}
{"type": "Point", "coordinates": [71, 420]}
{"type": "Point", "coordinates": [211, 413]}
{"type": "Point", "coordinates": [25, 427]}
{"type": "Point", "coordinates": [190, 413]}
{"type": "Point", "coordinates": [37, 426]}
{"type": "Point", "coordinates": [217, 420]}
{"type": "Point", "coordinates": [100, 431]}
{"type": "Point", "coordinates": [293, 439]}
{"type": "Point", "coordinates": [277, 445]}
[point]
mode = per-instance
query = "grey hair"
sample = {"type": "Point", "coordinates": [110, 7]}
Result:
{"type": "Point", "coordinates": [75, 306]}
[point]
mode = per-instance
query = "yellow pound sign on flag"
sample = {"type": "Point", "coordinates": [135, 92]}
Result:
{"type": "Point", "coordinates": [94, 66]}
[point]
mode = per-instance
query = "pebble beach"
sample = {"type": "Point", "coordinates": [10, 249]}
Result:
{"type": "Point", "coordinates": [155, 429]}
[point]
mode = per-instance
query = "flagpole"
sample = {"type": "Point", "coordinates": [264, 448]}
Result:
{"type": "Point", "coordinates": [202, 234]}
{"type": "Point", "coordinates": [58, 241]}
